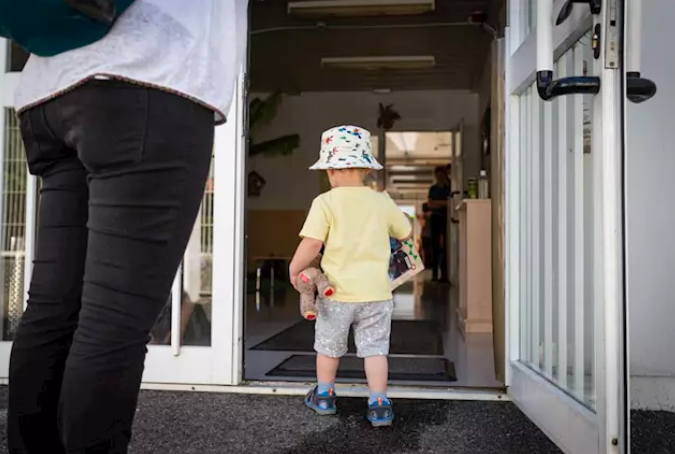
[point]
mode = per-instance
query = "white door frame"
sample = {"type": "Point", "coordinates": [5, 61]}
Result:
{"type": "Point", "coordinates": [575, 428]}
{"type": "Point", "coordinates": [8, 84]}
{"type": "Point", "coordinates": [5, 347]}
{"type": "Point", "coordinates": [221, 363]}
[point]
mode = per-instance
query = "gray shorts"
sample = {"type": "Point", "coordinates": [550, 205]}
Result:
{"type": "Point", "coordinates": [371, 322]}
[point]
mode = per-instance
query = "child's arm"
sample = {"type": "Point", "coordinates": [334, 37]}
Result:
{"type": "Point", "coordinates": [400, 226]}
{"type": "Point", "coordinates": [313, 234]}
{"type": "Point", "coordinates": [306, 252]}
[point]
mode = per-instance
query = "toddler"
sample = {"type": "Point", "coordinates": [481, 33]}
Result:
{"type": "Point", "coordinates": [353, 224]}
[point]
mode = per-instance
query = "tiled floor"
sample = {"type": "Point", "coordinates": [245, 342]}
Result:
{"type": "Point", "coordinates": [270, 313]}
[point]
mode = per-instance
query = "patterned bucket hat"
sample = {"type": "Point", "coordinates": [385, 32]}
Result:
{"type": "Point", "coordinates": [346, 147]}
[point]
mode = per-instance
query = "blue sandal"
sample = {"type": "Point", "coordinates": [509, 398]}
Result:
{"type": "Point", "coordinates": [322, 404]}
{"type": "Point", "coordinates": [381, 413]}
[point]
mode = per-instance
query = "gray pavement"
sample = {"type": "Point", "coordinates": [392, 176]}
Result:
{"type": "Point", "coordinates": [203, 423]}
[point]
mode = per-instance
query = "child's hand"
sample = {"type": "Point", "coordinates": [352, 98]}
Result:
{"type": "Point", "coordinates": [307, 251]}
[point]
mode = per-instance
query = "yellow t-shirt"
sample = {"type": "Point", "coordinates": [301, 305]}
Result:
{"type": "Point", "coordinates": [355, 224]}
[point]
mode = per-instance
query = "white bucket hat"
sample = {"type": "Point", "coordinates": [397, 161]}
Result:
{"type": "Point", "coordinates": [346, 147]}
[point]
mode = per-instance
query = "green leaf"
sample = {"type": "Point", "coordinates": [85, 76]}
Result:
{"type": "Point", "coordinates": [262, 112]}
{"type": "Point", "coordinates": [281, 146]}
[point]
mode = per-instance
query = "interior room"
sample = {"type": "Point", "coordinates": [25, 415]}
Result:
{"type": "Point", "coordinates": [417, 75]}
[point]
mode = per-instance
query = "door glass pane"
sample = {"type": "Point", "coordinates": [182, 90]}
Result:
{"type": "Point", "coordinates": [557, 232]}
{"type": "Point", "coordinates": [196, 307]}
{"type": "Point", "coordinates": [525, 300]}
{"type": "Point", "coordinates": [530, 16]}
{"type": "Point", "coordinates": [13, 230]}
{"type": "Point", "coordinates": [527, 10]}
{"type": "Point", "coordinates": [196, 282]}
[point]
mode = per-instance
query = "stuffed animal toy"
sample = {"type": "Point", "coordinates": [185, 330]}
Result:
{"type": "Point", "coordinates": [310, 281]}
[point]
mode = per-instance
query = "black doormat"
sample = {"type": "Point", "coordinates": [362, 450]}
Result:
{"type": "Point", "coordinates": [351, 367]}
{"type": "Point", "coordinates": [424, 337]}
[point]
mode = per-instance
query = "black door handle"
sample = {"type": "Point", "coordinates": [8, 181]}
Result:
{"type": "Point", "coordinates": [548, 88]}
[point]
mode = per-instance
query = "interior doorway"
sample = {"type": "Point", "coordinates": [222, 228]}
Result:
{"type": "Point", "coordinates": [398, 77]}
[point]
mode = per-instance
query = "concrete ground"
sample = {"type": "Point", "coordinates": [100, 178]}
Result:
{"type": "Point", "coordinates": [200, 423]}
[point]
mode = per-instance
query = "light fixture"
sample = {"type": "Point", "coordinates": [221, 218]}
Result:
{"type": "Point", "coordinates": [354, 8]}
{"type": "Point", "coordinates": [375, 63]}
{"type": "Point", "coordinates": [404, 141]}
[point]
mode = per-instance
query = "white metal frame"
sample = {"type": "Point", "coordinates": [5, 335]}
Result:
{"type": "Point", "coordinates": [8, 83]}
{"type": "Point", "coordinates": [221, 363]}
{"type": "Point", "coordinates": [573, 426]}
{"type": "Point", "coordinates": [5, 347]}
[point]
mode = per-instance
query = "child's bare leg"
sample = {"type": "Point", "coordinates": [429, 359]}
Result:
{"type": "Point", "coordinates": [326, 370]}
{"type": "Point", "coordinates": [322, 398]}
{"type": "Point", "coordinates": [377, 373]}
{"type": "Point", "coordinates": [380, 410]}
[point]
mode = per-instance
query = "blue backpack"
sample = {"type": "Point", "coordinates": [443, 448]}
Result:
{"type": "Point", "coordinates": [49, 27]}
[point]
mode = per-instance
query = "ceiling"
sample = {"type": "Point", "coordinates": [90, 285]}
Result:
{"type": "Point", "coordinates": [411, 158]}
{"type": "Point", "coordinates": [286, 51]}
{"type": "Point", "coordinates": [428, 146]}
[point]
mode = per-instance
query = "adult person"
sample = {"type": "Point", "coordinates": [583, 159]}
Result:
{"type": "Point", "coordinates": [121, 134]}
{"type": "Point", "coordinates": [426, 234]}
{"type": "Point", "coordinates": [439, 194]}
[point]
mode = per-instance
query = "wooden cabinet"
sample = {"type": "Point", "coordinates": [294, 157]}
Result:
{"type": "Point", "coordinates": [475, 265]}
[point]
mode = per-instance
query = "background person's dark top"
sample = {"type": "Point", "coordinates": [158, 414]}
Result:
{"type": "Point", "coordinates": [439, 192]}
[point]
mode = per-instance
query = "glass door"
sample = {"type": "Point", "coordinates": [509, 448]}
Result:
{"type": "Point", "coordinates": [200, 340]}
{"type": "Point", "coordinates": [18, 202]}
{"type": "Point", "coordinates": [566, 316]}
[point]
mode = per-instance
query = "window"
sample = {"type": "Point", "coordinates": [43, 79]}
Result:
{"type": "Point", "coordinates": [13, 228]}
{"type": "Point", "coordinates": [557, 227]}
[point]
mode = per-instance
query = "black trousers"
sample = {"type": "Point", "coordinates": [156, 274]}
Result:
{"type": "Point", "coordinates": [427, 251]}
{"type": "Point", "coordinates": [439, 241]}
{"type": "Point", "coordinates": [123, 170]}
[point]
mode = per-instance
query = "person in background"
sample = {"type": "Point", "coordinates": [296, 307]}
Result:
{"type": "Point", "coordinates": [426, 234]}
{"type": "Point", "coordinates": [439, 194]}
{"type": "Point", "coordinates": [121, 133]}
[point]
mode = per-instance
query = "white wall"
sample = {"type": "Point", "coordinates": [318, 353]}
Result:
{"type": "Point", "coordinates": [651, 218]}
{"type": "Point", "coordinates": [291, 186]}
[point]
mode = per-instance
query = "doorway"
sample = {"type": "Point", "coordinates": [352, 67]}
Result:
{"type": "Point", "coordinates": [306, 78]}
{"type": "Point", "coordinates": [429, 346]}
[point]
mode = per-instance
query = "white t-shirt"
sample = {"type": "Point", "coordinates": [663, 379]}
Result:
{"type": "Point", "coordinates": [194, 48]}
